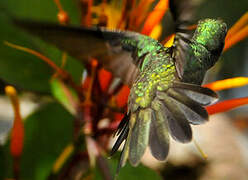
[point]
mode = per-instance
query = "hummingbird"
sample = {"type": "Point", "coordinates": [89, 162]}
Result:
{"type": "Point", "coordinates": [166, 95]}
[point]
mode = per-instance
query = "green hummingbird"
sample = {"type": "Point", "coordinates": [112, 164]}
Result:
{"type": "Point", "coordinates": [166, 94]}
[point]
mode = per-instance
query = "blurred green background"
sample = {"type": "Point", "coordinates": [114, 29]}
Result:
{"type": "Point", "coordinates": [49, 128]}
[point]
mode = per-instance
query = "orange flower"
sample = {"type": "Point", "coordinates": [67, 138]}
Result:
{"type": "Point", "coordinates": [17, 134]}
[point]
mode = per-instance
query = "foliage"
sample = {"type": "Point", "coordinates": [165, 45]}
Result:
{"type": "Point", "coordinates": [63, 119]}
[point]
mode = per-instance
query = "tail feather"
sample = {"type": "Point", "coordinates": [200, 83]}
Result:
{"type": "Point", "coordinates": [124, 154]}
{"type": "Point", "coordinates": [126, 150]}
{"type": "Point", "coordinates": [179, 127]}
{"type": "Point", "coordinates": [203, 96]}
{"type": "Point", "coordinates": [159, 136]}
{"type": "Point", "coordinates": [194, 112]}
{"type": "Point", "coordinates": [124, 122]}
{"type": "Point", "coordinates": [140, 135]}
{"type": "Point", "coordinates": [122, 136]}
{"type": "Point", "coordinates": [122, 133]}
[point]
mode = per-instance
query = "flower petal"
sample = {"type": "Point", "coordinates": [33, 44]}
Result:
{"type": "Point", "coordinates": [227, 83]}
{"type": "Point", "coordinates": [226, 105]}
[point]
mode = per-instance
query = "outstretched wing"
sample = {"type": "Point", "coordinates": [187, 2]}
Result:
{"type": "Point", "coordinates": [82, 43]}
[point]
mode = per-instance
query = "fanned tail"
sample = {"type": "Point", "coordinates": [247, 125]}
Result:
{"type": "Point", "coordinates": [179, 127]}
{"type": "Point", "coordinates": [171, 112]}
{"type": "Point", "coordinates": [204, 96]}
{"type": "Point", "coordinates": [194, 112]}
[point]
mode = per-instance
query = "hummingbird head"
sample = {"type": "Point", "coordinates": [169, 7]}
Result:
{"type": "Point", "coordinates": [211, 34]}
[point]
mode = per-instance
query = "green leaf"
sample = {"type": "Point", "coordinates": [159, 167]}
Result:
{"type": "Point", "coordinates": [129, 172]}
{"type": "Point", "coordinates": [140, 172]}
{"type": "Point", "coordinates": [45, 10]}
{"type": "Point", "coordinates": [6, 165]}
{"type": "Point", "coordinates": [19, 68]}
{"type": "Point", "coordinates": [22, 69]}
{"type": "Point", "coordinates": [66, 96]}
{"type": "Point", "coordinates": [47, 132]}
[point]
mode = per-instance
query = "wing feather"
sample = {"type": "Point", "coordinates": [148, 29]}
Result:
{"type": "Point", "coordinates": [83, 43]}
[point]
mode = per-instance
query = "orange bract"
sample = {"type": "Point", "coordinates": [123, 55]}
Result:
{"type": "Point", "coordinates": [118, 116]}
{"type": "Point", "coordinates": [169, 40]}
{"type": "Point", "coordinates": [122, 96]}
{"type": "Point", "coordinates": [17, 134]}
{"type": "Point", "coordinates": [155, 16]}
{"type": "Point", "coordinates": [242, 34]}
{"type": "Point", "coordinates": [227, 83]}
{"type": "Point", "coordinates": [237, 32]}
{"type": "Point", "coordinates": [139, 14]}
{"type": "Point", "coordinates": [104, 78]}
{"type": "Point", "coordinates": [243, 21]}
{"type": "Point", "coordinates": [226, 105]}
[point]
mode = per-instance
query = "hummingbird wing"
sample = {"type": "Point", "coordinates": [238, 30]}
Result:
{"type": "Point", "coordinates": [182, 13]}
{"type": "Point", "coordinates": [97, 42]}
{"type": "Point", "coordinates": [193, 57]}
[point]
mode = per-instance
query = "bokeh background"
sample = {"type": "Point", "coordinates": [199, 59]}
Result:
{"type": "Point", "coordinates": [48, 124]}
